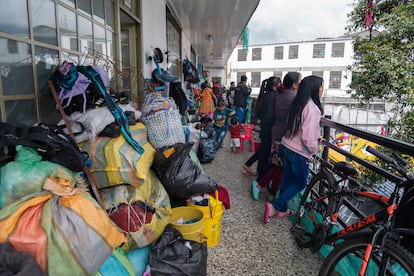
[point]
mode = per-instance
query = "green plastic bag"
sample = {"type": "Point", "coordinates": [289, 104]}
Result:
{"type": "Point", "coordinates": [27, 174]}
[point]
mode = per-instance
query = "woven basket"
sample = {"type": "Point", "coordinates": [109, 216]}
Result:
{"type": "Point", "coordinates": [164, 128]}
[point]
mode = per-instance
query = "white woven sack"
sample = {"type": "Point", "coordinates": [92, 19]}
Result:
{"type": "Point", "coordinates": [164, 128]}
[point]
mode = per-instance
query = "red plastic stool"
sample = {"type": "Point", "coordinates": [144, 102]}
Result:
{"type": "Point", "coordinates": [247, 136]}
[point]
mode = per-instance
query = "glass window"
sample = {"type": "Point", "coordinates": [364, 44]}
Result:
{"type": "Point", "coordinates": [47, 61]}
{"type": "Point", "coordinates": [338, 49]}
{"type": "Point", "coordinates": [335, 79]}
{"type": "Point", "coordinates": [15, 116]}
{"type": "Point", "coordinates": [13, 18]}
{"type": "Point", "coordinates": [44, 27]}
{"type": "Point", "coordinates": [12, 47]}
{"type": "Point", "coordinates": [241, 55]}
{"type": "Point", "coordinates": [255, 79]}
{"type": "Point", "coordinates": [257, 54]}
{"type": "Point", "coordinates": [70, 3]}
{"type": "Point", "coordinates": [278, 74]}
{"type": "Point", "coordinates": [16, 67]}
{"type": "Point", "coordinates": [85, 5]}
{"type": "Point", "coordinates": [69, 57]}
{"type": "Point", "coordinates": [293, 51]}
{"type": "Point", "coordinates": [99, 42]}
{"type": "Point", "coordinates": [279, 52]}
{"type": "Point", "coordinates": [109, 17]}
{"type": "Point", "coordinates": [317, 73]}
{"type": "Point", "coordinates": [173, 44]}
{"type": "Point", "coordinates": [239, 74]}
{"type": "Point", "coordinates": [67, 29]}
{"type": "Point", "coordinates": [85, 34]}
{"type": "Point", "coordinates": [98, 10]}
{"type": "Point", "coordinates": [319, 50]}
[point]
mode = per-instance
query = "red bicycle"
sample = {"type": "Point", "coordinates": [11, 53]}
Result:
{"type": "Point", "coordinates": [369, 245]}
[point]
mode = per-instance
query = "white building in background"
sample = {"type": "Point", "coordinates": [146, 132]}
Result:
{"type": "Point", "coordinates": [328, 58]}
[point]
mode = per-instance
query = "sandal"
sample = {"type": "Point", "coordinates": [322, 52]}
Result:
{"type": "Point", "coordinates": [288, 213]}
{"type": "Point", "coordinates": [255, 190]}
{"type": "Point", "coordinates": [266, 217]}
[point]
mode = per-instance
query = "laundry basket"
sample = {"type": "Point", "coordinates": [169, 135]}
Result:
{"type": "Point", "coordinates": [212, 219]}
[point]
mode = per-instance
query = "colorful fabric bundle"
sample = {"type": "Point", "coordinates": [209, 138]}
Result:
{"type": "Point", "coordinates": [115, 162]}
{"type": "Point", "coordinates": [155, 102]}
{"type": "Point", "coordinates": [66, 235]}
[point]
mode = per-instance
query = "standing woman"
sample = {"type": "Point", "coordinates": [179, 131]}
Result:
{"type": "Point", "coordinates": [299, 144]}
{"type": "Point", "coordinates": [207, 100]}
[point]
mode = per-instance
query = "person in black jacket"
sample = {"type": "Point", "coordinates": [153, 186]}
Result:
{"type": "Point", "coordinates": [241, 94]}
{"type": "Point", "coordinates": [265, 113]}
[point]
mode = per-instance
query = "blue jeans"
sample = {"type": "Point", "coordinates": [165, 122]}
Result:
{"type": "Point", "coordinates": [295, 178]}
{"type": "Point", "coordinates": [219, 135]}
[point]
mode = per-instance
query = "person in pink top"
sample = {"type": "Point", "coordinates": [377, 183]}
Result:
{"type": "Point", "coordinates": [299, 144]}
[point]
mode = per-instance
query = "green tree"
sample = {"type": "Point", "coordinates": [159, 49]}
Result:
{"type": "Point", "coordinates": [384, 60]}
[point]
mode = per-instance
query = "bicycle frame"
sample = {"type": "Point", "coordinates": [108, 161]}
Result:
{"type": "Point", "coordinates": [354, 229]}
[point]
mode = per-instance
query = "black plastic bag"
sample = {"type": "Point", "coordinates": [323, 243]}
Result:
{"type": "Point", "coordinates": [172, 255]}
{"type": "Point", "coordinates": [180, 176]}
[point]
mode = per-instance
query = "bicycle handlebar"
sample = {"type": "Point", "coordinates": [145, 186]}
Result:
{"type": "Point", "coordinates": [380, 154]}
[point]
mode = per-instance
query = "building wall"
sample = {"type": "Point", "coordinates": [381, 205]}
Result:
{"type": "Point", "coordinates": [305, 63]}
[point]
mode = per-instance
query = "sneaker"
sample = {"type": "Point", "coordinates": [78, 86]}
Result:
{"type": "Point", "coordinates": [255, 190]}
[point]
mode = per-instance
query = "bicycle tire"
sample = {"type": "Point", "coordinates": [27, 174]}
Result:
{"type": "Point", "coordinates": [158, 56]}
{"type": "Point", "coordinates": [345, 259]}
{"type": "Point", "coordinates": [320, 184]}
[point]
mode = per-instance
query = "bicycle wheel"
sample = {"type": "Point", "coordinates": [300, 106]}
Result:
{"type": "Point", "coordinates": [311, 210]}
{"type": "Point", "coordinates": [346, 259]}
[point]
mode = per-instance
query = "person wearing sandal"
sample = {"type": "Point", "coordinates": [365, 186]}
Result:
{"type": "Point", "coordinates": [299, 144]}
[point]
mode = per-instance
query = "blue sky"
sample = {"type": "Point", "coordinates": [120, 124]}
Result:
{"type": "Point", "coordinates": [278, 21]}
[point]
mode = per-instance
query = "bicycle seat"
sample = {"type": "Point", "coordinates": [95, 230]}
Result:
{"type": "Point", "coordinates": [345, 168]}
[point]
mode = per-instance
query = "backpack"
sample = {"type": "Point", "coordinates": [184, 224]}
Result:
{"type": "Point", "coordinates": [50, 141]}
{"type": "Point", "coordinates": [206, 150]}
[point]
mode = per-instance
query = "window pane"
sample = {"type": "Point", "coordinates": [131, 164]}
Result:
{"type": "Point", "coordinates": [99, 39]}
{"type": "Point", "coordinates": [318, 50]}
{"type": "Point", "coordinates": [279, 52]}
{"type": "Point", "coordinates": [278, 74]}
{"type": "Point", "coordinates": [109, 9]}
{"type": "Point", "coordinates": [70, 3]}
{"type": "Point", "coordinates": [241, 55]}
{"type": "Point", "coordinates": [293, 51]}
{"type": "Point", "coordinates": [338, 49]}
{"type": "Point", "coordinates": [85, 34]}
{"type": "Point", "coordinates": [15, 116]}
{"type": "Point", "coordinates": [257, 54]}
{"type": "Point", "coordinates": [16, 65]}
{"type": "Point", "coordinates": [317, 73]}
{"type": "Point", "coordinates": [13, 18]}
{"type": "Point", "coordinates": [239, 74]}
{"type": "Point", "coordinates": [44, 27]}
{"type": "Point", "coordinates": [47, 61]}
{"type": "Point", "coordinates": [67, 29]}
{"type": "Point", "coordinates": [255, 79]}
{"type": "Point", "coordinates": [335, 79]}
{"type": "Point", "coordinates": [98, 10]}
{"type": "Point", "coordinates": [85, 5]}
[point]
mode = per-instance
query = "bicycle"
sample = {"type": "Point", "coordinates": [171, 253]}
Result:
{"type": "Point", "coordinates": [369, 245]}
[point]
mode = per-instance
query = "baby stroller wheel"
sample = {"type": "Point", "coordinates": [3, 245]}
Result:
{"type": "Point", "coordinates": [158, 57]}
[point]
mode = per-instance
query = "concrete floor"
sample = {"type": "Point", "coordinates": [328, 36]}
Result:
{"type": "Point", "coordinates": [247, 246]}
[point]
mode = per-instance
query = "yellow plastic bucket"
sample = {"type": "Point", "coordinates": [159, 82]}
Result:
{"type": "Point", "coordinates": [212, 219]}
{"type": "Point", "coordinates": [191, 231]}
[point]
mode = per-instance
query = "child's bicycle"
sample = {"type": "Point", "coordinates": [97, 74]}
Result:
{"type": "Point", "coordinates": [371, 245]}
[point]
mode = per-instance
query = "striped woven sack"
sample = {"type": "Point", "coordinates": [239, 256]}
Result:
{"type": "Point", "coordinates": [115, 162]}
{"type": "Point", "coordinates": [54, 230]}
{"type": "Point", "coordinates": [164, 128]}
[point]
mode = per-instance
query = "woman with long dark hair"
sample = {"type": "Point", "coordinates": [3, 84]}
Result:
{"type": "Point", "coordinates": [299, 144]}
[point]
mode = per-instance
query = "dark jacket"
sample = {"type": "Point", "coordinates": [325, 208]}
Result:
{"type": "Point", "coordinates": [241, 94]}
{"type": "Point", "coordinates": [281, 111]}
{"type": "Point", "coordinates": [266, 112]}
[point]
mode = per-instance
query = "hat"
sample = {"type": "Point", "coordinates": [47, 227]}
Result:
{"type": "Point", "coordinates": [243, 78]}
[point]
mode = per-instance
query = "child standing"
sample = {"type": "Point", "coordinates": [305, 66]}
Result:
{"type": "Point", "coordinates": [221, 125]}
{"type": "Point", "coordinates": [235, 131]}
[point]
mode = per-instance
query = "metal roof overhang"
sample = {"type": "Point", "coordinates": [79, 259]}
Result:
{"type": "Point", "coordinates": [214, 27]}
